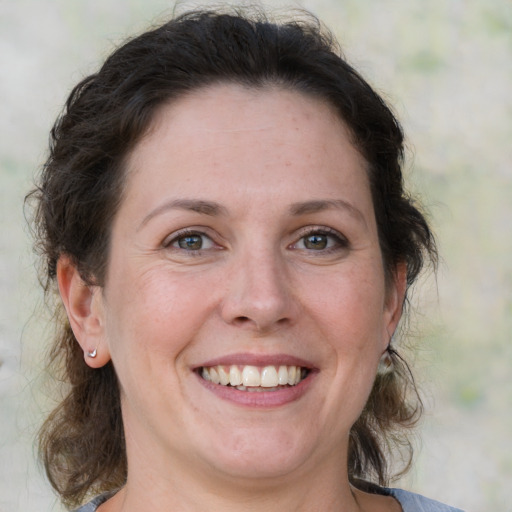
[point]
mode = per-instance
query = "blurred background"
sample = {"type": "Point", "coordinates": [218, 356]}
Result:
{"type": "Point", "coordinates": [446, 67]}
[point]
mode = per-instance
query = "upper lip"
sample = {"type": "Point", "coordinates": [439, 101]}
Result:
{"type": "Point", "coordinates": [257, 360]}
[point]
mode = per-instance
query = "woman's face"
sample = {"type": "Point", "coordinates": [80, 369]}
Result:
{"type": "Point", "coordinates": [245, 308]}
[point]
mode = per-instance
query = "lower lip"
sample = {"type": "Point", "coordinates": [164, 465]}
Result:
{"type": "Point", "coordinates": [259, 399]}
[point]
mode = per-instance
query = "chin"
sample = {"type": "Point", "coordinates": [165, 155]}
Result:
{"type": "Point", "coordinates": [261, 453]}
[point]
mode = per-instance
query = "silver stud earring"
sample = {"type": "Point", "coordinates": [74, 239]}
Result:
{"type": "Point", "coordinates": [92, 353]}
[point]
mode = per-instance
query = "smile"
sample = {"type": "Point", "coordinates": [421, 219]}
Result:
{"type": "Point", "coordinates": [254, 378]}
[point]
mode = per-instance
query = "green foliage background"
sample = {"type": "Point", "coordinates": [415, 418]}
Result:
{"type": "Point", "coordinates": [446, 66]}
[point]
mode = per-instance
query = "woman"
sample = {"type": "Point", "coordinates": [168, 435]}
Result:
{"type": "Point", "coordinates": [223, 214]}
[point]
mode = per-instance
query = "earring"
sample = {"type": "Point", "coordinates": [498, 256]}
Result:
{"type": "Point", "coordinates": [385, 363]}
{"type": "Point", "coordinates": [92, 353]}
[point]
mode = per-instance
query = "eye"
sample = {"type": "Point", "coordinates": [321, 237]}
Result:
{"type": "Point", "coordinates": [319, 240]}
{"type": "Point", "coordinates": [191, 241]}
{"type": "Point", "coordinates": [316, 241]}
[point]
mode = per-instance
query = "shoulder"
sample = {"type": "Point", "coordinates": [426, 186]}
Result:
{"type": "Point", "coordinates": [412, 502]}
{"type": "Point", "coordinates": [93, 505]}
{"type": "Point", "coordinates": [409, 501]}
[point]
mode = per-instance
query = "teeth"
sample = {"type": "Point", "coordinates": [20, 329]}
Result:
{"type": "Point", "coordinates": [246, 378]}
{"type": "Point", "coordinates": [235, 376]}
{"type": "Point", "coordinates": [251, 376]}
{"type": "Point", "coordinates": [214, 376]}
{"type": "Point", "coordinates": [223, 376]}
{"type": "Point", "coordinates": [292, 373]}
{"type": "Point", "coordinates": [282, 375]}
{"type": "Point", "coordinates": [269, 377]}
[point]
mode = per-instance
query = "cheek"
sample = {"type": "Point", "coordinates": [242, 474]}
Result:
{"type": "Point", "coordinates": [351, 320]}
{"type": "Point", "coordinates": [351, 308]}
{"type": "Point", "coordinates": [154, 313]}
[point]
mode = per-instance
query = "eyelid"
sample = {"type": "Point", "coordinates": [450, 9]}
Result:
{"type": "Point", "coordinates": [306, 230]}
{"type": "Point", "coordinates": [342, 240]}
{"type": "Point", "coordinates": [189, 231]}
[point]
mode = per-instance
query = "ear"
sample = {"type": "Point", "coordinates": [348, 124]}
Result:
{"type": "Point", "coordinates": [85, 309]}
{"type": "Point", "coordinates": [395, 299]}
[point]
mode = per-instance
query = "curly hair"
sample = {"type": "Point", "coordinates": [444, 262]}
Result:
{"type": "Point", "coordinates": [81, 187]}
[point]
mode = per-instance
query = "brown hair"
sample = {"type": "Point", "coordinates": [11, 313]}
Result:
{"type": "Point", "coordinates": [81, 186]}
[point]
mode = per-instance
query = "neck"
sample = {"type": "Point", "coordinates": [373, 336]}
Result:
{"type": "Point", "coordinates": [181, 499]}
{"type": "Point", "coordinates": [182, 488]}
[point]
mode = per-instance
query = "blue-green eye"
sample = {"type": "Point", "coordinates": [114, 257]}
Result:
{"type": "Point", "coordinates": [316, 241]}
{"type": "Point", "coordinates": [321, 240]}
{"type": "Point", "coordinates": [192, 242]}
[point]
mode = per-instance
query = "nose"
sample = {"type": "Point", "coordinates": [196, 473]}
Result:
{"type": "Point", "coordinates": [259, 295]}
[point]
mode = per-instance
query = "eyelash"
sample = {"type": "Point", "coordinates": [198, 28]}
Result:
{"type": "Point", "coordinates": [183, 234]}
{"type": "Point", "coordinates": [340, 242]}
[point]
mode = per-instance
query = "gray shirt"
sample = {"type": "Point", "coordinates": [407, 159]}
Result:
{"type": "Point", "coordinates": [409, 501]}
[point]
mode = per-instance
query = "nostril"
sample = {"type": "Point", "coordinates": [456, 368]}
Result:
{"type": "Point", "coordinates": [263, 327]}
{"type": "Point", "coordinates": [242, 319]}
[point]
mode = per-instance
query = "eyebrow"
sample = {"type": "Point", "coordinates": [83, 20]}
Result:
{"type": "Point", "coordinates": [213, 209]}
{"type": "Point", "coordinates": [319, 205]}
{"type": "Point", "coordinates": [210, 208]}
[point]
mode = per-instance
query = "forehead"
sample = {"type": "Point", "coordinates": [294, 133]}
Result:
{"type": "Point", "coordinates": [244, 106]}
{"type": "Point", "coordinates": [248, 139]}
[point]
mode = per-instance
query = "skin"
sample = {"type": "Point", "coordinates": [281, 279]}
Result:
{"type": "Point", "coordinates": [279, 167]}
